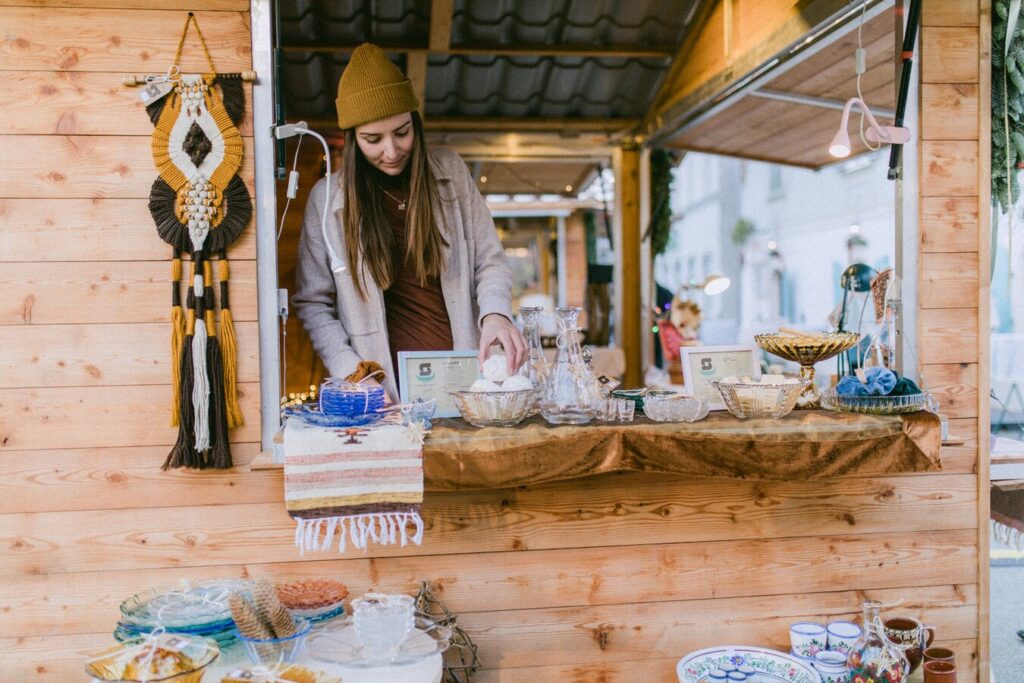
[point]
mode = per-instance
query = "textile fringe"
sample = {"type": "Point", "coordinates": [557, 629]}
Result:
{"type": "Point", "coordinates": [177, 337]}
{"type": "Point", "coordinates": [177, 342]}
{"type": "Point", "coordinates": [1007, 535]}
{"type": "Point", "coordinates": [220, 447]}
{"type": "Point", "coordinates": [229, 351]}
{"type": "Point", "coordinates": [200, 378]}
{"type": "Point", "coordinates": [388, 528]}
{"type": "Point", "coordinates": [184, 454]}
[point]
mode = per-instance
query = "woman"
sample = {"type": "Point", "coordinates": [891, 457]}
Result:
{"type": "Point", "coordinates": [419, 266]}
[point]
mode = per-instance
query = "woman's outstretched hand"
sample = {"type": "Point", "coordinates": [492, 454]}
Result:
{"type": "Point", "coordinates": [498, 328]}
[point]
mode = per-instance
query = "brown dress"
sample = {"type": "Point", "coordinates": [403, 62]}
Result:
{"type": "Point", "coordinates": [417, 317]}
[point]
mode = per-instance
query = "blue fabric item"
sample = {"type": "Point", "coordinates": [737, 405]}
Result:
{"type": "Point", "coordinates": [880, 383]}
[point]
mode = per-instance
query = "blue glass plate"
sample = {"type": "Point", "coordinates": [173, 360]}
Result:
{"type": "Point", "coordinates": [310, 414]}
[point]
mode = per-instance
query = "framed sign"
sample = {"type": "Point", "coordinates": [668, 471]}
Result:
{"type": "Point", "coordinates": [426, 374]}
{"type": "Point", "coordinates": [703, 365]}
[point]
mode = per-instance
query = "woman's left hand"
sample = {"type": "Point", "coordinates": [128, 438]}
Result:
{"type": "Point", "coordinates": [498, 328]}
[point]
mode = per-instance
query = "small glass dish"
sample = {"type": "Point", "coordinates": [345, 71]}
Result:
{"type": "Point", "coordinates": [874, 405]}
{"type": "Point", "coordinates": [675, 408]}
{"type": "Point", "coordinates": [760, 399]}
{"type": "Point", "coordinates": [494, 408]}
{"type": "Point", "coordinates": [419, 411]}
{"type": "Point", "coordinates": [277, 651]}
{"type": "Point", "coordinates": [166, 657]}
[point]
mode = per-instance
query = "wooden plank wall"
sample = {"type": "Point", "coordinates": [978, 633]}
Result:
{"type": "Point", "coordinates": [953, 251]}
{"type": "Point", "coordinates": [608, 579]}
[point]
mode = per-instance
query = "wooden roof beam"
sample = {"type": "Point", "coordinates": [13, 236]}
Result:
{"type": "Point", "coordinates": [738, 45]}
{"type": "Point", "coordinates": [616, 51]}
{"type": "Point", "coordinates": [564, 126]}
{"type": "Point", "coordinates": [440, 25]}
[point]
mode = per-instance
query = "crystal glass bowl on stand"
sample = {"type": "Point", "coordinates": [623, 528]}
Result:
{"type": "Point", "coordinates": [807, 350]}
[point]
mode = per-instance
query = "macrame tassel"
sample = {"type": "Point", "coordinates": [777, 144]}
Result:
{"type": "Point", "coordinates": [200, 377]}
{"type": "Point", "coordinates": [184, 454]}
{"type": "Point", "coordinates": [220, 448]}
{"type": "Point", "coordinates": [229, 350]}
{"type": "Point", "coordinates": [177, 339]}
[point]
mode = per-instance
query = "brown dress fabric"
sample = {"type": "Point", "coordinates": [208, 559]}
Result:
{"type": "Point", "coordinates": [417, 317]}
{"type": "Point", "coordinates": [806, 444]}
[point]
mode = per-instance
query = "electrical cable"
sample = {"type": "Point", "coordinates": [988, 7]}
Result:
{"type": "Point", "coordinates": [860, 67]}
{"type": "Point", "coordinates": [290, 194]}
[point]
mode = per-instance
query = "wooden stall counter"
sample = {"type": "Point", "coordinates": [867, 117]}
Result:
{"type": "Point", "coordinates": [606, 552]}
{"type": "Point", "coordinates": [805, 445]}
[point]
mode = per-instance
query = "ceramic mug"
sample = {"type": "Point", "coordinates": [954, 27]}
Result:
{"type": "Point", "coordinates": [909, 635]}
{"type": "Point", "coordinates": [939, 654]}
{"type": "Point", "coordinates": [807, 639]}
{"type": "Point", "coordinates": [940, 672]}
{"type": "Point", "coordinates": [842, 635]}
{"type": "Point", "coordinates": [831, 666]}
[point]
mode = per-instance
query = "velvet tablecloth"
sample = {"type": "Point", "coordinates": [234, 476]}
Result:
{"type": "Point", "coordinates": [806, 444]}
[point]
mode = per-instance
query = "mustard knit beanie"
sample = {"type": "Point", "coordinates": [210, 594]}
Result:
{"type": "Point", "coordinates": [372, 88]}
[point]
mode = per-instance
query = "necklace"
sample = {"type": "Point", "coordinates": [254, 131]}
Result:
{"type": "Point", "coordinates": [401, 204]}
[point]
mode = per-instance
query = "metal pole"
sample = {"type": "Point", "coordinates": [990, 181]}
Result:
{"type": "Point", "coordinates": [909, 39]}
{"type": "Point", "coordinates": [266, 216]}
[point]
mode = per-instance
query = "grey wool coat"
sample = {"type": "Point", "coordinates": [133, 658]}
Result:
{"type": "Point", "coordinates": [345, 329]}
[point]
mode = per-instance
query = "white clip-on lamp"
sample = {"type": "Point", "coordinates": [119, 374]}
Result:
{"type": "Point", "coordinates": [883, 135]}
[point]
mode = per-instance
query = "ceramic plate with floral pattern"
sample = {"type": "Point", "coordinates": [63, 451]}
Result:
{"type": "Point", "coordinates": [769, 665]}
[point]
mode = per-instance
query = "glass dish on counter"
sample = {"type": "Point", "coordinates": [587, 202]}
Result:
{"type": "Point", "coordinates": [874, 405]}
{"type": "Point", "coordinates": [662, 407]}
{"type": "Point", "coordinates": [167, 657]}
{"type": "Point", "coordinates": [767, 398]}
{"type": "Point", "coordinates": [494, 408]}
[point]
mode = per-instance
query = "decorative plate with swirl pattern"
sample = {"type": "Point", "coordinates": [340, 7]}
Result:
{"type": "Point", "coordinates": [770, 666]}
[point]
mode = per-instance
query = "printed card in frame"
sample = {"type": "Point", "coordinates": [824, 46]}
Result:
{"type": "Point", "coordinates": [427, 374]}
{"type": "Point", "coordinates": [703, 365]}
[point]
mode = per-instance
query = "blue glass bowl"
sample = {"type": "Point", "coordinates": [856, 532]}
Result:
{"type": "Point", "coordinates": [310, 414]}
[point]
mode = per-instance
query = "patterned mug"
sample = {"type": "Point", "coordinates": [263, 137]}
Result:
{"type": "Point", "coordinates": [911, 636]}
{"type": "Point", "coordinates": [807, 639]}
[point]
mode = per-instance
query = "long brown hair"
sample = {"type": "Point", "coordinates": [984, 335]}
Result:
{"type": "Point", "coordinates": [369, 238]}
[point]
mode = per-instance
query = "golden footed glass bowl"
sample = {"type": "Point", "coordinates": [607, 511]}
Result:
{"type": "Point", "coordinates": [807, 349]}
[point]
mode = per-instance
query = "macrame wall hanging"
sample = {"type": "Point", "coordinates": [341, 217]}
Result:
{"type": "Point", "coordinates": [200, 206]}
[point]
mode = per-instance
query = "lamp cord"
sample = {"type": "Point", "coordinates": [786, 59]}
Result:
{"type": "Point", "coordinates": [860, 66]}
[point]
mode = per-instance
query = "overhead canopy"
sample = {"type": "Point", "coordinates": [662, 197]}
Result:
{"type": "Point", "coordinates": [530, 81]}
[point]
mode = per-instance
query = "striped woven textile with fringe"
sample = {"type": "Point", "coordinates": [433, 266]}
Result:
{"type": "Point", "coordinates": [353, 486]}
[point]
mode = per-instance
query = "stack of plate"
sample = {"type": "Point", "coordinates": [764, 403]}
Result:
{"type": "Point", "coordinates": [198, 609]}
{"type": "Point", "coordinates": [314, 599]}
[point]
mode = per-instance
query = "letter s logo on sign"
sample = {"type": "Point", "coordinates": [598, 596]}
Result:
{"type": "Point", "coordinates": [426, 372]}
{"type": "Point", "coordinates": [705, 364]}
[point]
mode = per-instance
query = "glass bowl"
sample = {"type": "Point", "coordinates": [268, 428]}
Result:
{"type": "Point", "coordinates": [675, 408]}
{"type": "Point", "coordinates": [760, 400]}
{"type": "Point", "coordinates": [874, 405]}
{"type": "Point", "coordinates": [494, 408]}
{"type": "Point", "coordinates": [277, 651]}
{"type": "Point", "coordinates": [169, 657]}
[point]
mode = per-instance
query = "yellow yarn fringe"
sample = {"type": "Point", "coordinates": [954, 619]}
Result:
{"type": "Point", "coordinates": [177, 342]}
{"type": "Point", "coordinates": [228, 350]}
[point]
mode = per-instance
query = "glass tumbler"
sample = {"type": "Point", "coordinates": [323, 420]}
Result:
{"type": "Point", "coordinates": [382, 623]}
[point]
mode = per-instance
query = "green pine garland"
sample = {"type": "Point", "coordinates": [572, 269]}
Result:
{"type": "Point", "coordinates": [1003, 183]}
{"type": "Point", "coordinates": [660, 228]}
